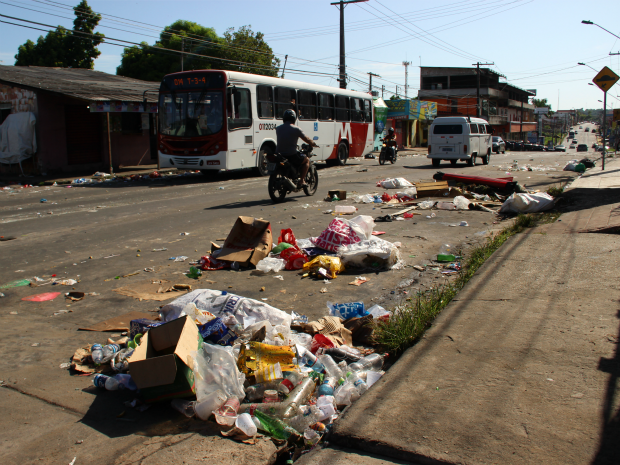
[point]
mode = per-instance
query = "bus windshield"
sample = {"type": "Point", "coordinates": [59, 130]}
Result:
{"type": "Point", "coordinates": [191, 114]}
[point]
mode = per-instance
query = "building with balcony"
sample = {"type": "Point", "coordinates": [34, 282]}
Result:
{"type": "Point", "coordinates": [505, 106]}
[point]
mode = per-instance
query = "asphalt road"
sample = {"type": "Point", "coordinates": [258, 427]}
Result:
{"type": "Point", "coordinates": [95, 233]}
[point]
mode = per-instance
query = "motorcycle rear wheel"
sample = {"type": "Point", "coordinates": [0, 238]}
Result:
{"type": "Point", "coordinates": [312, 179]}
{"type": "Point", "coordinates": [276, 187]}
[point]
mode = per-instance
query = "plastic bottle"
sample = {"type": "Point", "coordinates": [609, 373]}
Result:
{"type": "Point", "coordinates": [186, 407]}
{"type": "Point", "coordinates": [328, 386]}
{"type": "Point", "coordinates": [308, 415]}
{"type": "Point", "coordinates": [125, 382]}
{"type": "Point", "coordinates": [96, 353]}
{"type": "Point", "coordinates": [309, 359]}
{"type": "Point", "coordinates": [331, 368]}
{"type": "Point", "coordinates": [108, 352]}
{"type": "Point", "coordinates": [339, 355]}
{"type": "Point", "coordinates": [210, 403]}
{"type": "Point", "coordinates": [291, 379]}
{"type": "Point", "coordinates": [345, 209]}
{"type": "Point", "coordinates": [372, 362]}
{"type": "Point", "coordinates": [257, 391]}
{"type": "Point", "coordinates": [298, 397]}
{"type": "Point", "coordinates": [106, 382]}
{"type": "Point", "coordinates": [355, 379]}
{"type": "Point", "coordinates": [271, 396]}
{"type": "Point", "coordinates": [274, 426]}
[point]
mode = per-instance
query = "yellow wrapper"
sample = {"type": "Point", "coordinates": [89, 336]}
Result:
{"type": "Point", "coordinates": [256, 356]}
{"type": "Point", "coordinates": [331, 264]}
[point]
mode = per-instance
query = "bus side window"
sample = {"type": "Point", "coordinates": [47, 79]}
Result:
{"type": "Point", "coordinates": [326, 107]}
{"type": "Point", "coordinates": [357, 109]}
{"type": "Point", "coordinates": [285, 99]}
{"type": "Point", "coordinates": [307, 105]}
{"type": "Point", "coordinates": [241, 115]}
{"type": "Point", "coordinates": [342, 108]}
{"type": "Point", "coordinates": [264, 100]}
{"type": "Point", "coordinates": [367, 111]}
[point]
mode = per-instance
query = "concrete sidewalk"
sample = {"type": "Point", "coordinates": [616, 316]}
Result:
{"type": "Point", "coordinates": [522, 367]}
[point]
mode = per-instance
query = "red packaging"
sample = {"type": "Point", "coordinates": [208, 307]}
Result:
{"type": "Point", "coordinates": [294, 258]}
{"type": "Point", "coordinates": [318, 341]}
{"type": "Point", "coordinates": [210, 263]}
{"type": "Point", "coordinates": [286, 235]}
{"type": "Point", "coordinates": [386, 197]}
{"type": "Point", "coordinates": [407, 215]}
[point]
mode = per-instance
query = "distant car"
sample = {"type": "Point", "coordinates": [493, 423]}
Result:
{"type": "Point", "coordinates": [572, 146]}
{"type": "Point", "coordinates": [527, 147]}
{"type": "Point", "coordinates": [580, 127]}
{"type": "Point", "coordinates": [499, 145]}
{"type": "Point", "coordinates": [593, 130]}
{"type": "Point", "coordinates": [595, 146]}
{"type": "Point", "coordinates": [560, 148]}
{"type": "Point", "coordinates": [582, 148]}
{"type": "Point", "coordinates": [519, 146]}
{"type": "Point", "coordinates": [510, 145]}
{"type": "Point", "coordinates": [600, 149]}
{"type": "Point", "coordinates": [587, 129]}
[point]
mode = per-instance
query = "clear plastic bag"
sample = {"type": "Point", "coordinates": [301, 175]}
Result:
{"type": "Point", "coordinates": [373, 253]}
{"type": "Point", "coordinates": [426, 205]}
{"type": "Point", "coordinates": [215, 368]}
{"type": "Point", "coordinates": [365, 223]}
{"type": "Point", "coordinates": [461, 202]}
{"type": "Point", "coordinates": [270, 264]}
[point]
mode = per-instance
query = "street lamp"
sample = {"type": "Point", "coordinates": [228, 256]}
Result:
{"type": "Point", "coordinates": [583, 64]}
{"type": "Point", "coordinates": [590, 22]}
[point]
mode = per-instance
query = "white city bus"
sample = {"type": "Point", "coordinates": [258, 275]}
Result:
{"type": "Point", "coordinates": [213, 120]}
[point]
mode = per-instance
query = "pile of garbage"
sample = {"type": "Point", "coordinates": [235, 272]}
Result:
{"type": "Point", "coordinates": [251, 368]}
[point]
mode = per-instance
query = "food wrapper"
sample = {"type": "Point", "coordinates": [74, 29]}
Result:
{"type": "Point", "coordinates": [256, 356]}
{"type": "Point", "coordinates": [333, 265]}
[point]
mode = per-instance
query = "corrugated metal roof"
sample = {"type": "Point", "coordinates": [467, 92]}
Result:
{"type": "Point", "coordinates": [85, 84]}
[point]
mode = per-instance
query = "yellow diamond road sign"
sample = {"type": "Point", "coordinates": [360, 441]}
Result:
{"type": "Point", "coordinates": [605, 79]}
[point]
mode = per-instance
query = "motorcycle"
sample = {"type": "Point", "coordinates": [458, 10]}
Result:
{"type": "Point", "coordinates": [389, 152]}
{"type": "Point", "coordinates": [285, 175]}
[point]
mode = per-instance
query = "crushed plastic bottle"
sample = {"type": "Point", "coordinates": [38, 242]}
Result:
{"type": "Point", "coordinates": [291, 379]}
{"type": "Point", "coordinates": [96, 353]}
{"type": "Point", "coordinates": [331, 368]}
{"type": "Point", "coordinates": [308, 415]}
{"type": "Point", "coordinates": [106, 382]}
{"type": "Point", "coordinates": [372, 362]}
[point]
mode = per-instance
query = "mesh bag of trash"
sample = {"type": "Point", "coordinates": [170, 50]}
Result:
{"type": "Point", "coordinates": [371, 253]}
{"type": "Point", "coordinates": [221, 303]}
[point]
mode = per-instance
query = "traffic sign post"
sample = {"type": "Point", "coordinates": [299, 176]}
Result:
{"type": "Point", "coordinates": [604, 80]}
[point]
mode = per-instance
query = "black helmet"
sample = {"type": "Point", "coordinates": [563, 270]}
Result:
{"type": "Point", "coordinates": [391, 130]}
{"type": "Point", "coordinates": [289, 116]}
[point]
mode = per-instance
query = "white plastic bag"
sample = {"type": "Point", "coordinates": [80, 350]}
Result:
{"type": "Point", "coordinates": [370, 251]}
{"type": "Point", "coordinates": [426, 204]}
{"type": "Point", "coordinates": [528, 203]}
{"type": "Point", "coordinates": [366, 225]}
{"type": "Point", "coordinates": [215, 368]}
{"type": "Point", "coordinates": [221, 303]}
{"type": "Point", "coordinates": [395, 183]}
{"type": "Point", "coordinates": [446, 206]}
{"type": "Point", "coordinates": [461, 202]}
{"type": "Point", "coordinates": [268, 264]}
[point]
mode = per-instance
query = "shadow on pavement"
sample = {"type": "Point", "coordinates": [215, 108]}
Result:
{"type": "Point", "coordinates": [609, 448]}
{"type": "Point", "coordinates": [583, 199]}
{"type": "Point", "coordinates": [266, 202]}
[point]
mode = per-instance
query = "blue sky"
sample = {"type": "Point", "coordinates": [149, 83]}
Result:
{"type": "Point", "coordinates": [536, 44]}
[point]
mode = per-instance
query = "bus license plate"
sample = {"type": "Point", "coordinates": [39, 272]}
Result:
{"type": "Point", "coordinates": [271, 166]}
{"type": "Point", "coordinates": [447, 149]}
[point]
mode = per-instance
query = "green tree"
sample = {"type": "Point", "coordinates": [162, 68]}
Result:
{"type": "Point", "coordinates": [152, 63]}
{"type": "Point", "coordinates": [75, 48]}
{"type": "Point", "coordinates": [541, 103]}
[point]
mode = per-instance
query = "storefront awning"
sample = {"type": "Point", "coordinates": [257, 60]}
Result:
{"type": "Point", "coordinates": [405, 109]}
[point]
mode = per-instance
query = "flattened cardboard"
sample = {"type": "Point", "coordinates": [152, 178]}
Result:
{"type": "Point", "coordinates": [249, 241]}
{"type": "Point", "coordinates": [119, 323]}
{"type": "Point", "coordinates": [160, 364]}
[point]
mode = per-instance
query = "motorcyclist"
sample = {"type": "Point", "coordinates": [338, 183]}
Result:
{"type": "Point", "coordinates": [287, 136]}
{"type": "Point", "coordinates": [390, 135]}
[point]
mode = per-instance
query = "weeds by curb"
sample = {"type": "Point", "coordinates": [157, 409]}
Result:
{"type": "Point", "coordinates": [409, 321]}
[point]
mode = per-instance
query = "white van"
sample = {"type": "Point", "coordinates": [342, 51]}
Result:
{"type": "Point", "coordinates": [457, 138]}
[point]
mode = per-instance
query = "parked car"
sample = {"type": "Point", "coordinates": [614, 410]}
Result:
{"type": "Point", "coordinates": [572, 146]}
{"type": "Point", "coordinates": [519, 146]}
{"type": "Point", "coordinates": [580, 127]}
{"type": "Point", "coordinates": [593, 130]}
{"type": "Point", "coordinates": [510, 145]}
{"type": "Point", "coordinates": [538, 148]}
{"type": "Point", "coordinates": [499, 145]}
{"type": "Point", "coordinates": [560, 148]}
{"type": "Point", "coordinates": [527, 147]}
{"type": "Point", "coordinates": [582, 148]}
{"type": "Point", "coordinates": [587, 129]}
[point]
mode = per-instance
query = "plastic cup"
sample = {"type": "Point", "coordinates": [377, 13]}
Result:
{"type": "Point", "coordinates": [245, 423]}
{"type": "Point", "coordinates": [205, 408]}
{"type": "Point", "coordinates": [372, 377]}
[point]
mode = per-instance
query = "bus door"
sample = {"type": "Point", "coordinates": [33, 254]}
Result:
{"type": "Point", "coordinates": [240, 136]}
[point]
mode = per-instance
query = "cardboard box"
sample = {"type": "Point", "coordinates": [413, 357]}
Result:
{"type": "Point", "coordinates": [249, 241]}
{"type": "Point", "coordinates": [161, 365]}
{"type": "Point", "coordinates": [432, 189]}
{"type": "Point", "coordinates": [342, 195]}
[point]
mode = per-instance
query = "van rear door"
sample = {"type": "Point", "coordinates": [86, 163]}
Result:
{"type": "Point", "coordinates": [474, 138]}
{"type": "Point", "coordinates": [447, 139]}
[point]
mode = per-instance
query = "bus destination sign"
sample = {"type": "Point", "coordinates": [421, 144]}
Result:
{"type": "Point", "coordinates": [193, 81]}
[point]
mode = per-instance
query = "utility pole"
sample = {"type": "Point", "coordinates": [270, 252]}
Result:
{"type": "Point", "coordinates": [284, 67]}
{"type": "Point", "coordinates": [182, 51]}
{"type": "Point", "coordinates": [478, 109]}
{"type": "Point", "coordinates": [382, 91]}
{"type": "Point", "coordinates": [406, 65]}
{"type": "Point", "coordinates": [342, 4]}
{"type": "Point", "coordinates": [370, 80]}
{"type": "Point", "coordinates": [396, 91]}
